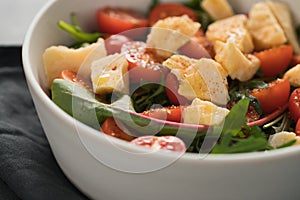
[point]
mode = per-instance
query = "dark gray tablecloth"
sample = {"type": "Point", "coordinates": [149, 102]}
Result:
{"type": "Point", "coordinates": [28, 169]}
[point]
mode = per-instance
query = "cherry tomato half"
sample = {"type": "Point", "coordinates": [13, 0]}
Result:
{"type": "Point", "coordinates": [274, 61]}
{"type": "Point", "coordinates": [170, 143]}
{"type": "Point", "coordinates": [172, 113]}
{"type": "Point", "coordinates": [274, 96]}
{"type": "Point", "coordinates": [172, 85]}
{"type": "Point", "coordinates": [142, 64]}
{"type": "Point", "coordinates": [294, 104]}
{"type": "Point", "coordinates": [111, 128]}
{"type": "Point", "coordinates": [165, 10]}
{"type": "Point", "coordinates": [114, 43]}
{"type": "Point", "coordinates": [74, 77]}
{"type": "Point", "coordinates": [117, 20]}
{"type": "Point", "coordinates": [297, 129]}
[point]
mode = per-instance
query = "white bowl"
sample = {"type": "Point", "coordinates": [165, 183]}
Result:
{"type": "Point", "coordinates": [108, 168]}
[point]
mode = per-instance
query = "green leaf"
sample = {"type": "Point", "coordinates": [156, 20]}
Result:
{"type": "Point", "coordinates": [244, 145]}
{"type": "Point", "coordinates": [83, 106]}
{"type": "Point", "coordinates": [288, 144]}
{"type": "Point", "coordinates": [233, 139]}
{"type": "Point", "coordinates": [236, 118]}
{"type": "Point", "coordinates": [77, 34]}
{"type": "Point", "coordinates": [152, 4]}
{"type": "Point", "coordinates": [255, 84]}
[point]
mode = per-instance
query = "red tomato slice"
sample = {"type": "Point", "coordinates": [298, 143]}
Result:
{"type": "Point", "coordinates": [172, 113]}
{"type": "Point", "coordinates": [74, 77]}
{"type": "Point", "coordinates": [172, 86]}
{"type": "Point", "coordinates": [273, 97]}
{"type": "Point", "coordinates": [274, 61]}
{"type": "Point", "coordinates": [165, 10]}
{"type": "Point", "coordinates": [170, 143]}
{"type": "Point", "coordinates": [297, 129]}
{"type": "Point", "coordinates": [117, 20]}
{"type": "Point", "coordinates": [111, 128]}
{"type": "Point", "coordinates": [142, 65]}
{"type": "Point", "coordinates": [294, 104]}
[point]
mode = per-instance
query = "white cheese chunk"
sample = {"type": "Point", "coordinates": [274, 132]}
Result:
{"type": "Point", "coordinates": [109, 74]}
{"type": "Point", "coordinates": [283, 15]}
{"type": "Point", "coordinates": [204, 79]}
{"type": "Point", "coordinates": [281, 138]}
{"type": "Point", "coordinates": [264, 27]}
{"type": "Point", "coordinates": [232, 29]}
{"type": "Point", "coordinates": [217, 9]}
{"type": "Point", "coordinates": [204, 113]}
{"type": "Point", "coordinates": [293, 75]}
{"type": "Point", "coordinates": [58, 58]}
{"type": "Point", "coordinates": [238, 65]}
{"type": "Point", "coordinates": [168, 34]}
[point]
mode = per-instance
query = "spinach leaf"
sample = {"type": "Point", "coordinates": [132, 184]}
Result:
{"type": "Point", "coordinates": [83, 106]}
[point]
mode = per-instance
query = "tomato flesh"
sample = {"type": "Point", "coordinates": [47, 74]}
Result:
{"type": "Point", "coordinates": [170, 143]}
{"type": "Point", "coordinates": [111, 128]}
{"type": "Point", "coordinates": [275, 61]}
{"type": "Point", "coordinates": [165, 10]}
{"type": "Point", "coordinates": [172, 113]}
{"type": "Point", "coordinates": [74, 77]}
{"type": "Point", "coordinates": [274, 96]}
{"type": "Point", "coordinates": [142, 65]}
{"type": "Point", "coordinates": [117, 20]}
{"type": "Point", "coordinates": [294, 104]}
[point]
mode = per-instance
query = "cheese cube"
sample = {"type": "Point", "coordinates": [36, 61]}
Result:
{"type": "Point", "coordinates": [264, 28]}
{"type": "Point", "coordinates": [204, 79]}
{"type": "Point", "coordinates": [238, 65]}
{"type": "Point", "coordinates": [58, 58]}
{"type": "Point", "coordinates": [217, 9]}
{"type": "Point", "coordinates": [109, 74]}
{"type": "Point", "coordinates": [233, 29]}
{"type": "Point", "coordinates": [204, 113]}
{"type": "Point", "coordinates": [293, 75]}
{"type": "Point", "coordinates": [168, 34]}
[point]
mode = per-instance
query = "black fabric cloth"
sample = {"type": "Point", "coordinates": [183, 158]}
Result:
{"type": "Point", "coordinates": [28, 169]}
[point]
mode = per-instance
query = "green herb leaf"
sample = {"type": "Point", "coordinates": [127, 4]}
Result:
{"type": "Point", "coordinates": [152, 4]}
{"type": "Point", "coordinates": [255, 84]}
{"type": "Point", "coordinates": [233, 139]}
{"type": "Point", "coordinates": [76, 32]}
{"type": "Point", "coordinates": [288, 144]}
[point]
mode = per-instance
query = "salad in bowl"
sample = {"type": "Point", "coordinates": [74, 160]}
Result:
{"type": "Point", "coordinates": [198, 66]}
{"type": "Point", "coordinates": [171, 99]}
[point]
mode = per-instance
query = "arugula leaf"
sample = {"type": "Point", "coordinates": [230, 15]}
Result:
{"type": "Point", "coordinates": [152, 4]}
{"type": "Point", "coordinates": [255, 84]}
{"type": "Point", "coordinates": [147, 95]}
{"type": "Point", "coordinates": [298, 32]}
{"type": "Point", "coordinates": [195, 4]}
{"type": "Point", "coordinates": [233, 139]}
{"type": "Point", "coordinates": [236, 117]}
{"type": "Point", "coordinates": [243, 145]}
{"type": "Point", "coordinates": [288, 144]}
{"type": "Point", "coordinates": [76, 32]}
{"type": "Point", "coordinates": [203, 17]}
